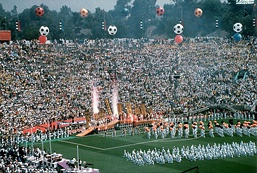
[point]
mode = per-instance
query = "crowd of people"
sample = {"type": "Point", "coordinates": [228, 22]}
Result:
{"type": "Point", "coordinates": [50, 82]}
{"type": "Point", "coordinates": [53, 82]}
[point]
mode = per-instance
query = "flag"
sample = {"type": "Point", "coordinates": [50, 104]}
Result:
{"type": "Point", "coordinates": [105, 25]}
{"type": "Point", "coordinates": [18, 25]}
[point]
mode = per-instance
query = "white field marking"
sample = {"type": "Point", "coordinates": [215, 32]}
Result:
{"type": "Point", "coordinates": [145, 142]}
{"type": "Point", "coordinates": [160, 140]}
{"type": "Point", "coordinates": [88, 146]}
{"type": "Point", "coordinates": [181, 139]}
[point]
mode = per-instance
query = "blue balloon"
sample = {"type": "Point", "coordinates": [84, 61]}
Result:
{"type": "Point", "coordinates": [125, 12]}
{"type": "Point", "coordinates": [237, 37]}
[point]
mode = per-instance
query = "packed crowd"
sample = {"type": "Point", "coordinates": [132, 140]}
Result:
{"type": "Point", "coordinates": [50, 82]}
{"type": "Point", "coordinates": [45, 83]}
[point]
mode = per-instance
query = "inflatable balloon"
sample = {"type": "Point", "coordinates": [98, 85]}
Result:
{"type": "Point", "coordinates": [159, 11]}
{"type": "Point", "coordinates": [198, 12]}
{"type": "Point", "coordinates": [237, 37]}
{"type": "Point", "coordinates": [125, 12]}
{"type": "Point", "coordinates": [39, 11]}
{"type": "Point", "coordinates": [83, 12]}
{"type": "Point", "coordinates": [178, 28]}
{"type": "Point", "coordinates": [237, 27]}
{"type": "Point", "coordinates": [178, 39]}
{"type": "Point", "coordinates": [42, 39]}
{"type": "Point", "coordinates": [44, 30]}
{"type": "Point", "coordinates": [112, 30]}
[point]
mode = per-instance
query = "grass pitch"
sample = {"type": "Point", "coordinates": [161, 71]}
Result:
{"type": "Point", "coordinates": [106, 153]}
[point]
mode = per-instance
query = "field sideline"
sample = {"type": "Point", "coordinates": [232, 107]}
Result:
{"type": "Point", "coordinates": [106, 153]}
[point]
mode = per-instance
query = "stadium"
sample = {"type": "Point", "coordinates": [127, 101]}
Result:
{"type": "Point", "coordinates": [90, 95]}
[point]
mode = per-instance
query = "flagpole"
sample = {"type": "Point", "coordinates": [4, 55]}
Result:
{"type": "Point", "coordinates": [32, 138]}
{"type": "Point", "coordinates": [50, 143]}
{"type": "Point", "coordinates": [78, 155]}
{"type": "Point", "coordinates": [26, 147]}
{"type": "Point", "coordinates": [43, 159]}
{"type": "Point", "coordinates": [49, 133]}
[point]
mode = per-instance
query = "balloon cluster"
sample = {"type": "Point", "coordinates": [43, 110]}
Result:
{"type": "Point", "coordinates": [237, 27]}
{"type": "Point", "coordinates": [112, 30]}
{"type": "Point", "coordinates": [44, 31]}
{"type": "Point", "coordinates": [178, 29]}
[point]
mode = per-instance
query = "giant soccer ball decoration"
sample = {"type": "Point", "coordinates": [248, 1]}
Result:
{"type": "Point", "coordinates": [178, 39]}
{"type": "Point", "coordinates": [112, 30]}
{"type": "Point", "coordinates": [237, 27]}
{"type": "Point", "coordinates": [178, 28]}
{"type": "Point", "coordinates": [237, 37]}
{"type": "Point", "coordinates": [44, 30]}
{"type": "Point", "coordinates": [159, 11]}
{"type": "Point", "coordinates": [39, 11]}
{"type": "Point", "coordinates": [125, 12]}
{"type": "Point", "coordinates": [83, 12]}
{"type": "Point", "coordinates": [42, 39]}
{"type": "Point", "coordinates": [198, 12]}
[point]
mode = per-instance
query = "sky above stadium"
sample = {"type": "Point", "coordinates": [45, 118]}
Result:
{"type": "Point", "coordinates": [75, 5]}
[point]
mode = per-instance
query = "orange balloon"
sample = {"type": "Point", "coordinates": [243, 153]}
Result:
{"type": "Point", "coordinates": [42, 39]}
{"type": "Point", "coordinates": [178, 39]}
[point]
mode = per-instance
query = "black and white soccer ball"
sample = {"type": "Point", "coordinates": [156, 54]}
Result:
{"type": "Point", "coordinates": [237, 27]}
{"type": "Point", "coordinates": [178, 28]}
{"type": "Point", "coordinates": [44, 30]}
{"type": "Point", "coordinates": [112, 30]}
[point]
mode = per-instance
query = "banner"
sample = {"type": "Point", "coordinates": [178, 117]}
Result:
{"type": "Point", "coordinates": [244, 1]}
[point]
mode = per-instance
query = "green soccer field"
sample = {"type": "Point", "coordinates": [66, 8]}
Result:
{"type": "Point", "coordinates": [106, 153]}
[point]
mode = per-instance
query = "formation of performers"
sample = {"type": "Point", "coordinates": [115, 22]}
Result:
{"type": "Point", "coordinates": [191, 153]}
{"type": "Point", "coordinates": [39, 136]}
{"type": "Point", "coordinates": [179, 130]}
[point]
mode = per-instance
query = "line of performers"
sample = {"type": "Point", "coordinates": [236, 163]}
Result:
{"type": "Point", "coordinates": [198, 129]}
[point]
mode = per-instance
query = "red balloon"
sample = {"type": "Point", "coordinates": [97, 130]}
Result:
{"type": "Point", "coordinates": [42, 39]}
{"type": "Point", "coordinates": [39, 11]}
{"type": "Point", "coordinates": [178, 39]}
{"type": "Point", "coordinates": [159, 11]}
